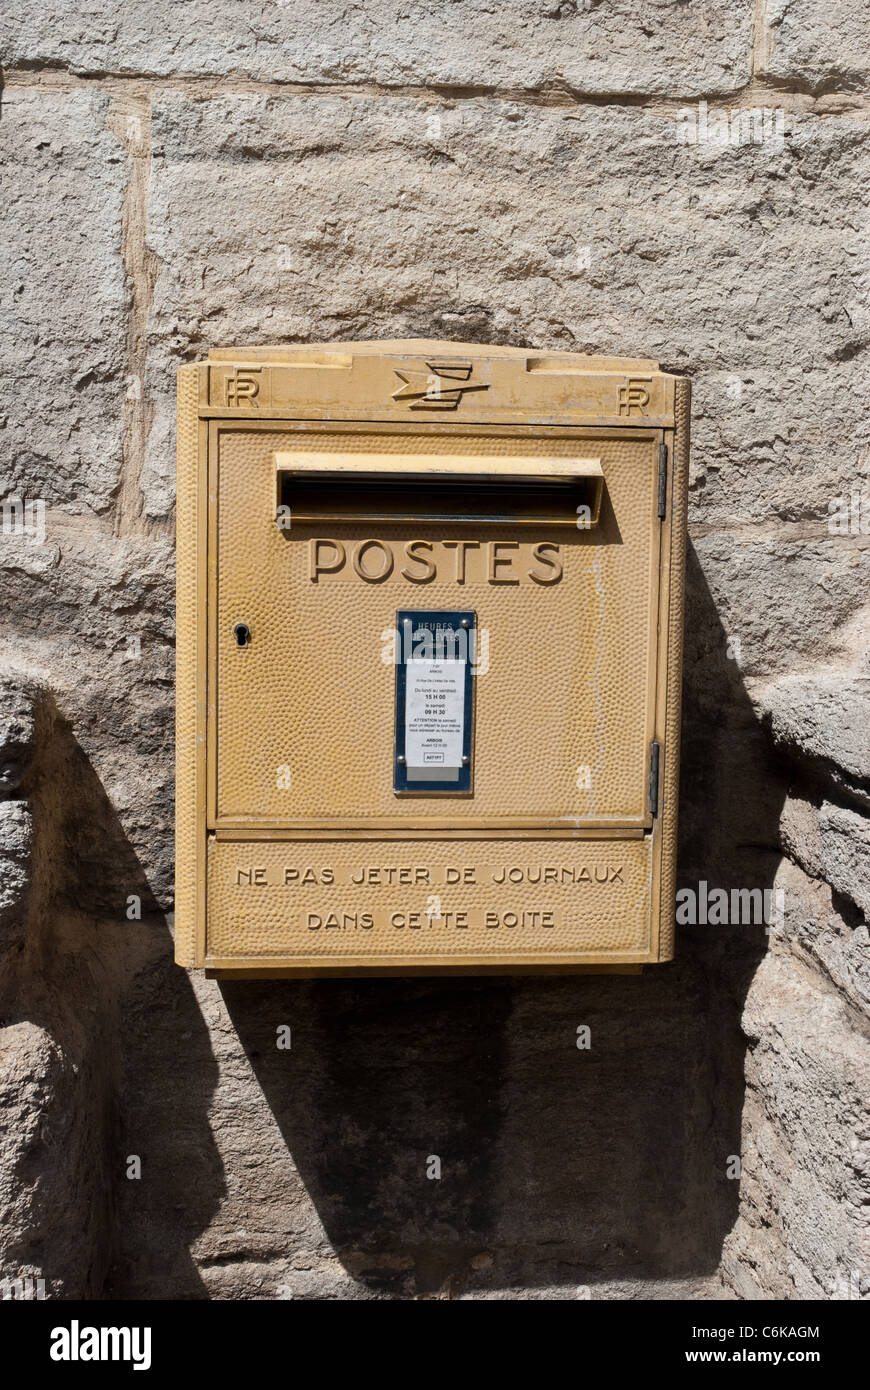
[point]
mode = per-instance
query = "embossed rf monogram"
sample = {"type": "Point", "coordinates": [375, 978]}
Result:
{"type": "Point", "coordinates": [633, 395]}
{"type": "Point", "coordinates": [243, 387]}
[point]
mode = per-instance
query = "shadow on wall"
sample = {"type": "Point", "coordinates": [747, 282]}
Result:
{"type": "Point", "coordinates": [156, 1040]}
{"type": "Point", "coordinates": [93, 1015]}
{"type": "Point", "coordinates": [559, 1167]}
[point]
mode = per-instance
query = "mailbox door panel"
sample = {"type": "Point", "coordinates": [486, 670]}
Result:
{"type": "Point", "coordinates": [301, 717]}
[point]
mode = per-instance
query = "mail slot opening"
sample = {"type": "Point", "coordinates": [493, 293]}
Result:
{"type": "Point", "coordinates": [411, 499]}
{"type": "Point", "coordinates": [538, 492]}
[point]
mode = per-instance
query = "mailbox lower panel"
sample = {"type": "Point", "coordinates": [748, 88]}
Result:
{"type": "Point", "coordinates": [387, 902]}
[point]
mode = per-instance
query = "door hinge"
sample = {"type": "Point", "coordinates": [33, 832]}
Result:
{"type": "Point", "coordinates": [663, 480]}
{"type": "Point", "coordinates": [654, 760]}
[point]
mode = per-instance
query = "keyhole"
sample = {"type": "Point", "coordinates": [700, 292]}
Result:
{"type": "Point", "coordinates": [242, 634]}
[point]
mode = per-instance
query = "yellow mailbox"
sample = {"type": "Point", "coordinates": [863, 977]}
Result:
{"type": "Point", "coordinates": [430, 605]}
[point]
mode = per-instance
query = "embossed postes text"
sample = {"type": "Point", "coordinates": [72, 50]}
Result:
{"type": "Point", "coordinates": [419, 562]}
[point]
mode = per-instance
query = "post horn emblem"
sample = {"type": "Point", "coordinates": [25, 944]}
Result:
{"type": "Point", "coordinates": [438, 387]}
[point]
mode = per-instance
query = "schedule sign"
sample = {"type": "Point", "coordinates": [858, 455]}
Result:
{"type": "Point", "coordinates": [435, 653]}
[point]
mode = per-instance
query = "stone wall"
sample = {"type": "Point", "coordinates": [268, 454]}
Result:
{"type": "Point", "coordinates": [543, 173]}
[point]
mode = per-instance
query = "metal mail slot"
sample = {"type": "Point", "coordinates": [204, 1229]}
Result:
{"type": "Point", "coordinates": [375, 488]}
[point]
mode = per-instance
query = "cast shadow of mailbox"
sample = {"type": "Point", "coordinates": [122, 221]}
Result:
{"type": "Point", "coordinates": [559, 1166]}
{"type": "Point", "coordinates": [106, 1009]}
{"type": "Point", "coordinates": [164, 1042]}
{"type": "Point", "coordinates": [161, 1042]}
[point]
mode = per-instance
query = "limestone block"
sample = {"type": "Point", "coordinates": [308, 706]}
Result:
{"type": "Point", "coordinates": [63, 301]}
{"type": "Point", "coordinates": [16, 841]}
{"type": "Point", "coordinates": [17, 730]}
{"type": "Point", "coordinates": [818, 45]}
{"type": "Point", "coordinates": [799, 831]}
{"type": "Point", "coordinates": [95, 614]}
{"type": "Point", "coordinates": [805, 1161]}
{"type": "Point", "coordinates": [782, 600]}
{"type": "Point", "coordinates": [845, 837]}
{"type": "Point", "coordinates": [821, 718]}
{"type": "Point", "coordinates": [651, 46]}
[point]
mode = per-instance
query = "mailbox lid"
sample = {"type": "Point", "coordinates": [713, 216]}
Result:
{"type": "Point", "coordinates": [412, 378]}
